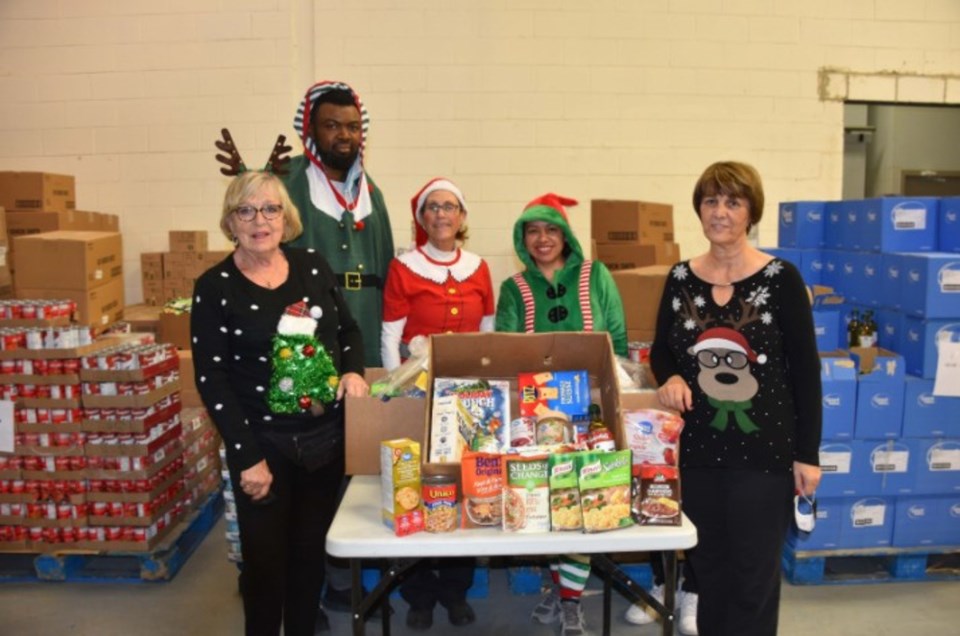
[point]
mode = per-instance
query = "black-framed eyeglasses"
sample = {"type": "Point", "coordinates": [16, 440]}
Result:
{"type": "Point", "coordinates": [248, 213]}
{"type": "Point", "coordinates": [446, 208]}
{"type": "Point", "coordinates": [733, 359]}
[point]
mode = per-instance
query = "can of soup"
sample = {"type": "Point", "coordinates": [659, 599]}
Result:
{"type": "Point", "coordinates": [439, 496]}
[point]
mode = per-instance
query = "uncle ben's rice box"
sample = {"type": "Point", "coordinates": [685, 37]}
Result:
{"type": "Point", "coordinates": [401, 507]}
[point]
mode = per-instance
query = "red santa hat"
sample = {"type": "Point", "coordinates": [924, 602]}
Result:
{"type": "Point", "coordinates": [555, 201]}
{"type": "Point", "coordinates": [726, 338]}
{"type": "Point", "coordinates": [418, 200]}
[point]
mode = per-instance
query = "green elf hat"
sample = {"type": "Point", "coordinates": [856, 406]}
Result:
{"type": "Point", "coordinates": [555, 201]}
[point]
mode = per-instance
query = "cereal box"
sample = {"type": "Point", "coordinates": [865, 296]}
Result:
{"type": "Point", "coordinates": [400, 486]}
{"type": "Point", "coordinates": [564, 391]}
{"type": "Point", "coordinates": [564, 493]}
{"type": "Point", "coordinates": [526, 494]}
{"type": "Point", "coordinates": [487, 402]}
{"type": "Point", "coordinates": [451, 427]}
{"type": "Point", "coordinates": [604, 480]}
{"type": "Point", "coordinates": [482, 477]}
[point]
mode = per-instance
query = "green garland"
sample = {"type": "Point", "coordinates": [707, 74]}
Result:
{"type": "Point", "coordinates": [303, 374]}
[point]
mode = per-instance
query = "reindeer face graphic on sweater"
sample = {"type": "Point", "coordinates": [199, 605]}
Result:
{"type": "Point", "coordinates": [724, 356]}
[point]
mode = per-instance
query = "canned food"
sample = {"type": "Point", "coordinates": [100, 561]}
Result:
{"type": "Point", "coordinates": [439, 496]}
{"type": "Point", "coordinates": [639, 351]}
{"type": "Point", "coordinates": [554, 428]}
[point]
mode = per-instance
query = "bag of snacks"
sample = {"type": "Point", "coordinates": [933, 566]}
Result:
{"type": "Point", "coordinates": [565, 511]}
{"type": "Point", "coordinates": [604, 481]}
{"type": "Point", "coordinates": [481, 476]}
{"type": "Point", "coordinates": [526, 494]}
{"type": "Point", "coordinates": [653, 436]}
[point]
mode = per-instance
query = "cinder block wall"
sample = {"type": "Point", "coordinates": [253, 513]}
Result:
{"type": "Point", "coordinates": [613, 99]}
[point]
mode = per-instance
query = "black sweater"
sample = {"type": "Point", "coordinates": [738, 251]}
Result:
{"type": "Point", "coordinates": [232, 323]}
{"type": "Point", "coordinates": [766, 414]}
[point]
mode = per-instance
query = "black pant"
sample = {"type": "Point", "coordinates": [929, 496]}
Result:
{"type": "Point", "coordinates": [742, 518]}
{"type": "Point", "coordinates": [438, 580]}
{"type": "Point", "coordinates": [689, 583]}
{"type": "Point", "coordinates": [283, 545]}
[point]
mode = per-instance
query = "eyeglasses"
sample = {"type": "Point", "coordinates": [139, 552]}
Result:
{"type": "Point", "coordinates": [448, 208]}
{"type": "Point", "coordinates": [734, 359]}
{"type": "Point", "coordinates": [248, 213]}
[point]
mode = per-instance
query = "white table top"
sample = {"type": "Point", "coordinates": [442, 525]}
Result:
{"type": "Point", "coordinates": [359, 532]}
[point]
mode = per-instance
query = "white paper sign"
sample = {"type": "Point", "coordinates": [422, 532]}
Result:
{"type": "Point", "coordinates": [868, 516]}
{"type": "Point", "coordinates": [944, 459]}
{"type": "Point", "coordinates": [891, 461]}
{"type": "Point", "coordinates": [947, 382]}
{"type": "Point", "coordinates": [6, 426]}
{"type": "Point", "coordinates": [909, 219]}
{"type": "Point", "coordinates": [835, 462]}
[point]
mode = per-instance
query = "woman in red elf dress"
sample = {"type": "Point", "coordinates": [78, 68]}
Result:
{"type": "Point", "coordinates": [438, 287]}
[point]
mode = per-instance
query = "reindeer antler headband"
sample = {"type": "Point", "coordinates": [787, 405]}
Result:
{"type": "Point", "coordinates": [277, 163]}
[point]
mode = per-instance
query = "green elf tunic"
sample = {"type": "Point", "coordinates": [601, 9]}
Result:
{"type": "Point", "coordinates": [358, 252]}
{"type": "Point", "coordinates": [346, 222]}
{"type": "Point", "coordinates": [581, 297]}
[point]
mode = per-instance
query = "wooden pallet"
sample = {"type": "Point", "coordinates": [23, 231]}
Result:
{"type": "Point", "coordinates": [161, 564]}
{"type": "Point", "coordinates": [871, 565]}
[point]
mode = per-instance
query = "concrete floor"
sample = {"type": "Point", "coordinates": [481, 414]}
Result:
{"type": "Point", "coordinates": [203, 600]}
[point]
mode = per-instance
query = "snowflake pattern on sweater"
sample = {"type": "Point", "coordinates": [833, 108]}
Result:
{"type": "Point", "coordinates": [751, 364]}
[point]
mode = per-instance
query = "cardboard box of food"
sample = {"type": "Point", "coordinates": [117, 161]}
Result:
{"type": "Point", "coordinates": [502, 356]}
{"type": "Point", "coordinates": [99, 307]}
{"type": "Point", "coordinates": [151, 266]}
{"type": "Point", "coordinates": [188, 240]}
{"type": "Point", "coordinates": [175, 329]}
{"type": "Point", "coordinates": [631, 221]}
{"type": "Point", "coordinates": [370, 420]}
{"type": "Point", "coordinates": [68, 260]}
{"type": "Point", "coordinates": [37, 191]}
{"type": "Point", "coordinates": [189, 395]}
{"type": "Point", "coordinates": [618, 256]}
{"type": "Point", "coordinates": [640, 290]}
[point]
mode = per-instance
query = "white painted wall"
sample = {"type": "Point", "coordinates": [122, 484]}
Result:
{"type": "Point", "coordinates": [510, 98]}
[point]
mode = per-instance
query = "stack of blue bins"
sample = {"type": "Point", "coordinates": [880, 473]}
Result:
{"type": "Point", "coordinates": [891, 448]}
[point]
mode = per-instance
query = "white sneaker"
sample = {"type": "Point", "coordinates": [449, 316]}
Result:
{"type": "Point", "coordinates": [687, 607]}
{"type": "Point", "coordinates": [640, 613]}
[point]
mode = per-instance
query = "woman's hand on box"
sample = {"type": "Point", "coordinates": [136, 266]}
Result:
{"type": "Point", "coordinates": [353, 385]}
{"type": "Point", "coordinates": [676, 394]}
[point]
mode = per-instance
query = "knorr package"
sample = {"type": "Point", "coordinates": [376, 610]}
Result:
{"type": "Point", "coordinates": [604, 480]}
{"type": "Point", "coordinates": [526, 494]}
{"type": "Point", "coordinates": [481, 476]}
{"type": "Point", "coordinates": [564, 493]}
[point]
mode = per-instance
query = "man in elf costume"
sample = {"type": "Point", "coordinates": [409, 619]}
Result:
{"type": "Point", "coordinates": [343, 213]}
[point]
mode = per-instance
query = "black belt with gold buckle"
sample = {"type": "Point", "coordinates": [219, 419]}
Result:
{"type": "Point", "coordinates": [355, 281]}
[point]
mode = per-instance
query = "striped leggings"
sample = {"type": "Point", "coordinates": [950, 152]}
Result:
{"type": "Point", "coordinates": [569, 573]}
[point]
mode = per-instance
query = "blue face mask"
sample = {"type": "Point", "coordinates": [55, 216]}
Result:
{"type": "Point", "coordinates": [805, 512]}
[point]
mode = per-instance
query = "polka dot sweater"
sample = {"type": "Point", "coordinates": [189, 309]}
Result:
{"type": "Point", "coordinates": [752, 365]}
{"type": "Point", "coordinates": [232, 324]}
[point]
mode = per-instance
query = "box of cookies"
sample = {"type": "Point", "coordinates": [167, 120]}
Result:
{"type": "Point", "coordinates": [401, 506]}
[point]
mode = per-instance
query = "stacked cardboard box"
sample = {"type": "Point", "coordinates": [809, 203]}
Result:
{"type": "Point", "coordinates": [641, 288]}
{"type": "Point", "coordinates": [169, 275]}
{"type": "Point", "coordinates": [86, 267]}
{"type": "Point", "coordinates": [632, 234]}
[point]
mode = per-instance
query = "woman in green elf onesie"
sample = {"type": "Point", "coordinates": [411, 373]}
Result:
{"type": "Point", "coordinates": [559, 290]}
